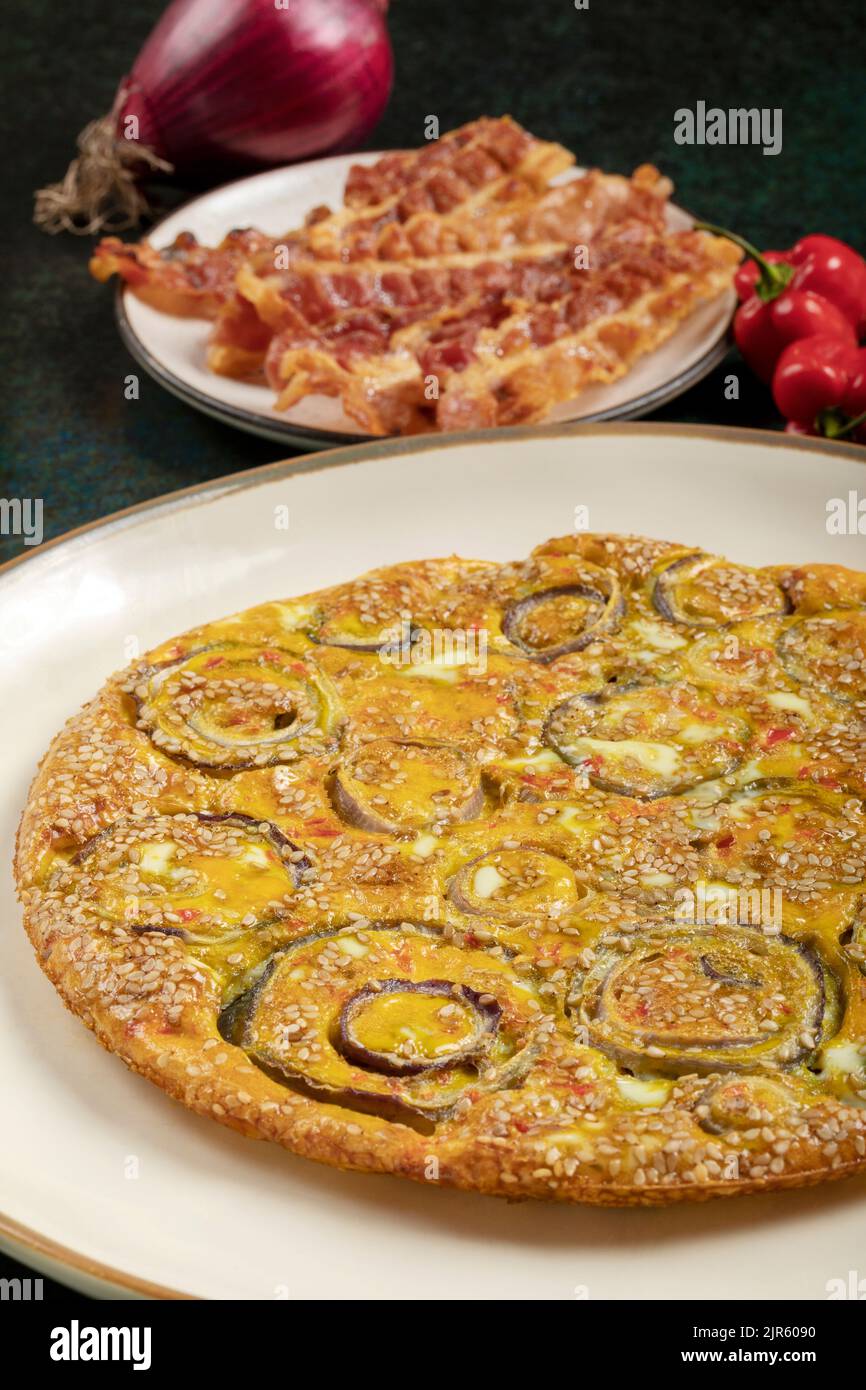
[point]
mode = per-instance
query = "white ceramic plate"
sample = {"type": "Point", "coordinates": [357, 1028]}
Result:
{"type": "Point", "coordinates": [99, 1171]}
{"type": "Point", "coordinates": [173, 349]}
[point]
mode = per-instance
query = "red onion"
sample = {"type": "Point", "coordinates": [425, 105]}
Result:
{"type": "Point", "coordinates": [226, 86]}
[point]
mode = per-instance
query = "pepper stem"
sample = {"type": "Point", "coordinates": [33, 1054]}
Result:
{"type": "Point", "coordinates": [835, 426]}
{"type": "Point", "coordinates": [773, 278]}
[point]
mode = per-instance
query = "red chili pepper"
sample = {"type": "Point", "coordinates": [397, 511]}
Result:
{"type": "Point", "coordinates": [819, 385]}
{"type": "Point", "coordinates": [762, 330]}
{"type": "Point", "coordinates": [834, 270]}
{"type": "Point", "coordinates": [749, 273]}
{"type": "Point", "coordinates": [783, 308]}
{"type": "Point", "coordinates": [818, 263]}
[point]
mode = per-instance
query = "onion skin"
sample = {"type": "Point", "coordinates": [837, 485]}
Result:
{"type": "Point", "coordinates": [223, 86]}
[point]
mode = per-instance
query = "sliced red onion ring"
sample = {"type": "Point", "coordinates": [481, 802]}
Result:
{"type": "Point", "coordinates": [187, 903]}
{"type": "Point", "coordinates": [764, 1002]}
{"type": "Point", "coordinates": [543, 885]}
{"type": "Point", "coordinates": [605, 615]}
{"type": "Point", "coordinates": [231, 706]}
{"type": "Point", "coordinates": [388, 641]}
{"type": "Point", "coordinates": [744, 1102]}
{"type": "Point", "coordinates": [647, 741]}
{"type": "Point", "coordinates": [787, 834]}
{"type": "Point", "coordinates": [766, 599]}
{"type": "Point", "coordinates": [828, 652]}
{"type": "Point", "coordinates": [485, 1015]}
{"type": "Point", "coordinates": [390, 786]}
{"type": "Point", "coordinates": [377, 1019]}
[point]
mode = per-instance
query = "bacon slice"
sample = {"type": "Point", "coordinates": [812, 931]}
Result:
{"type": "Point", "coordinates": [483, 159]}
{"type": "Point", "coordinates": [186, 278]}
{"type": "Point", "coordinates": [542, 355]}
{"type": "Point", "coordinates": [450, 290]}
{"type": "Point", "coordinates": [505, 359]}
{"type": "Point", "coordinates": [524, 247]}
{"type": "Point", "coordinates": [442, 173]}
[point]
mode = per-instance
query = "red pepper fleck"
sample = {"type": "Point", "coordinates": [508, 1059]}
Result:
{"type": "Point", "coordinates": [775, 736]}
{"type": "Point", "coordinates": [822, 777]}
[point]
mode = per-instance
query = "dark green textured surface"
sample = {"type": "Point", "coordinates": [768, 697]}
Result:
{"type": "Point", "coordinates": [606, 81]}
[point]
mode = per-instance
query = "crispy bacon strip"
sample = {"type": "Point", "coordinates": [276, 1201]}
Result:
{"type": "Point", "coordinates": [504, 360]}
{"type": "Point", "coordinates": [524, 248]}
{"type": "Point", "coordinates": [483, 159]}
{"type": "Point", "coordinates": [503, 213]}
{"type": "Point", "coordinates": [186, 278]}
{"type": "Point", "coordinates": [442, 173]}
{"type": "Point", "coordinates": [450, 289]}
{"type": "Point", "coordinates": [542, 355]}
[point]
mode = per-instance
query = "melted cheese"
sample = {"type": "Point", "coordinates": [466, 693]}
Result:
{"type": "Point", "coordinates": [546, 758]}
{"type": "Point", "coordinates": [435, 670]}
{"type": "Point", "coordinates": [295, 615]}
{"type": "Point", "coordinates": [156, 858]}
{"type": "Point", "coordinates": [843, 1058]}
{"type": "Point", "coordinates": [643, 1092]}
{"type": "Point", "coordinates": [701, 733]}
{"type": "Point", "coordinates": [423, 847]}
{"type": "Point", "coordinates": [486, 881]}
{"type": "Point", "coordinates": [783, 699]}
{"type": "Point", "coordinates": [576, 819]}
{"type": "Point", "coordinates": [351, 946]}
{"type": "Point", "coordinates": [655, 757]}
{"type": "Point", "coordinates": [660, 638]}
{"type": "Point", "coordinates": [254, 854]}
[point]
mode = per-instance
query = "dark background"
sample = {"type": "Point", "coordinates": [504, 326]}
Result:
{"type": "Point", "coordinates": [604, 81]}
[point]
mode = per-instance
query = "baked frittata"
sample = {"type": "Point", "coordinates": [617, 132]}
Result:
{"type": "Point", "coordinates": [539, 879]}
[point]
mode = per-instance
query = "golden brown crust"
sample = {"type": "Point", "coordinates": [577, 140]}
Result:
{"type": "Point", "coordinates": [262, 822]}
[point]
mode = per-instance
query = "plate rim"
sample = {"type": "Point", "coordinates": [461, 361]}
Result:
{"type": "Point", "coordinates": [25, 1241]}
{"type": "Point", "coordinates": [284, 432]}
{"type": "Point", "coordinates": [420, 444]}
{"type": "Point", "coordinates": [24, 1238]}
